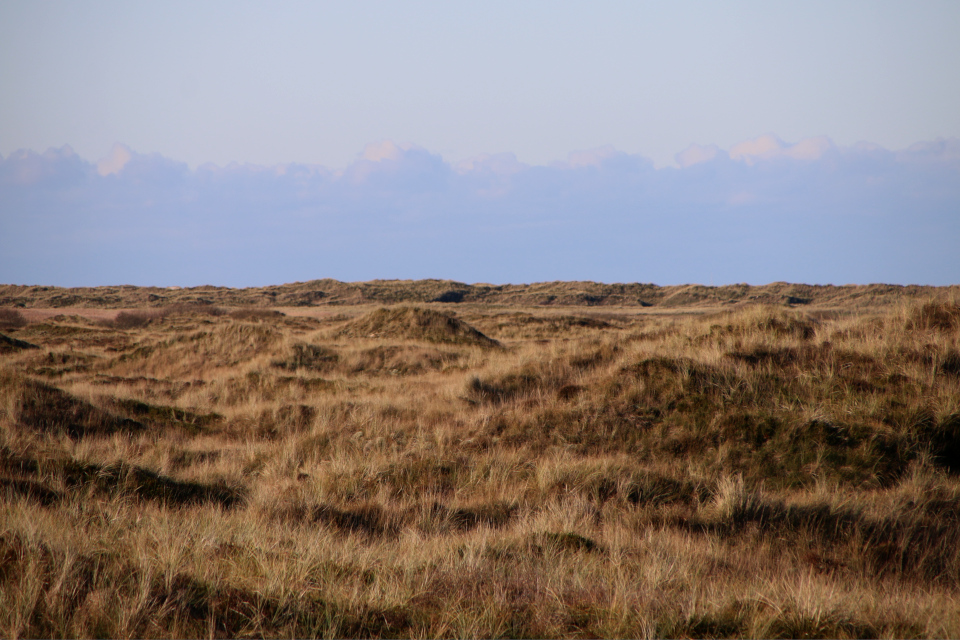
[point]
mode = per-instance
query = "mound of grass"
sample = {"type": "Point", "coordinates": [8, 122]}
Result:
{"type": "Point", "coordinates": [415, 323]}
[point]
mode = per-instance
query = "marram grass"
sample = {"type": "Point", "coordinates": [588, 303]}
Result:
{"type": "Point", "coordinates": [761, 472]}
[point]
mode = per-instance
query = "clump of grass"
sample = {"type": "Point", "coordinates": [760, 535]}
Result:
{"type": "Point", "coordinates": [936, 315]}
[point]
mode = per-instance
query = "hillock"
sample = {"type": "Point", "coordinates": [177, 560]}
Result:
{"type": "Point", "coordinates": [415, 323]}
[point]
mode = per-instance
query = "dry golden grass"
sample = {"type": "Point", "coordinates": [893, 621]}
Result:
{"type": "Point", "coordinates": [508, 472]}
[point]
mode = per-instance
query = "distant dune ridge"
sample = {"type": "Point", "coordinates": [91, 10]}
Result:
{"type": "Point", "coordinates": [587, 294]}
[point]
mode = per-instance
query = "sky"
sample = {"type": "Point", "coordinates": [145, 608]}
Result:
{"type": "Point", "coordinates": [251, 143]}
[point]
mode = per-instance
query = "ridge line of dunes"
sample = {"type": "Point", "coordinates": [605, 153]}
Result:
{"type": "Point", "coordinates": [588, 294]}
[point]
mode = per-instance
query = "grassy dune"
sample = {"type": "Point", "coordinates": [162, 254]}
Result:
{"type": "Point", "coordinates": [482, 469]}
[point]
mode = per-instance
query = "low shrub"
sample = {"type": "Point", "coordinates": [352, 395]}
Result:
{"type": "Point", "coordinates": [256, 314]}
{"type": "Point", "coordinates": [11, 319]}
{"type": "Point", "coordinates": [133, 319]}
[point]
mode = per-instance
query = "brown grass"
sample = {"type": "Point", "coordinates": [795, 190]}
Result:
{"type": "Point", "coordinates": [403, 471]}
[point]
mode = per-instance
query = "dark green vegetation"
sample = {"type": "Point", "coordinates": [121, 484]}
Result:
{"type": "Point", "coordinates": [765, 471]}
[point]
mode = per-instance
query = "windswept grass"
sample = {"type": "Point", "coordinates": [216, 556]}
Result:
{"type": "Point", "coordinates": [764, 471]}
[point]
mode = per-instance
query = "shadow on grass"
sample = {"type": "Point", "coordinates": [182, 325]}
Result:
{"type": "Point", "coordinates": [29, 478]}
{"type": "Point", "coordinates": [47, 410]}
{"type": "Point", "coordinates": [180, 605]}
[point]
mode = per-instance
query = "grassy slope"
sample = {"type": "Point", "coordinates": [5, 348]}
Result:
{"type": "Point", "coordinates": [764, 471]}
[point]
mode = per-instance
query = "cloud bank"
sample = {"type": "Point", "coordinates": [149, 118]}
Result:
{"type": "Point", "coordinates": [763, 211]}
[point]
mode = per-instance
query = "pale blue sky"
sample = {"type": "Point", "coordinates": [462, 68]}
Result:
{"type": "Point", "coordinates": [666, 142]}
{"type": "Point", "coordinates": [315, 82]}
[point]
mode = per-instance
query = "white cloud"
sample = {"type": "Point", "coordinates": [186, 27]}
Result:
{"type": "Point", "coordinates": [401, 211]}
{"type": "Point", "coordinates": [763, 148]}
{"type": "Point", "coordinates": [696, 154]}
{"type": "Point", "coordinates": [383, 150]}
{"type": "Point", "coordinates": [810, 148]}
{"type": "Point", "coordinates": [119, 156]}
{"type": "Point", "coordinates": [770, 147]}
